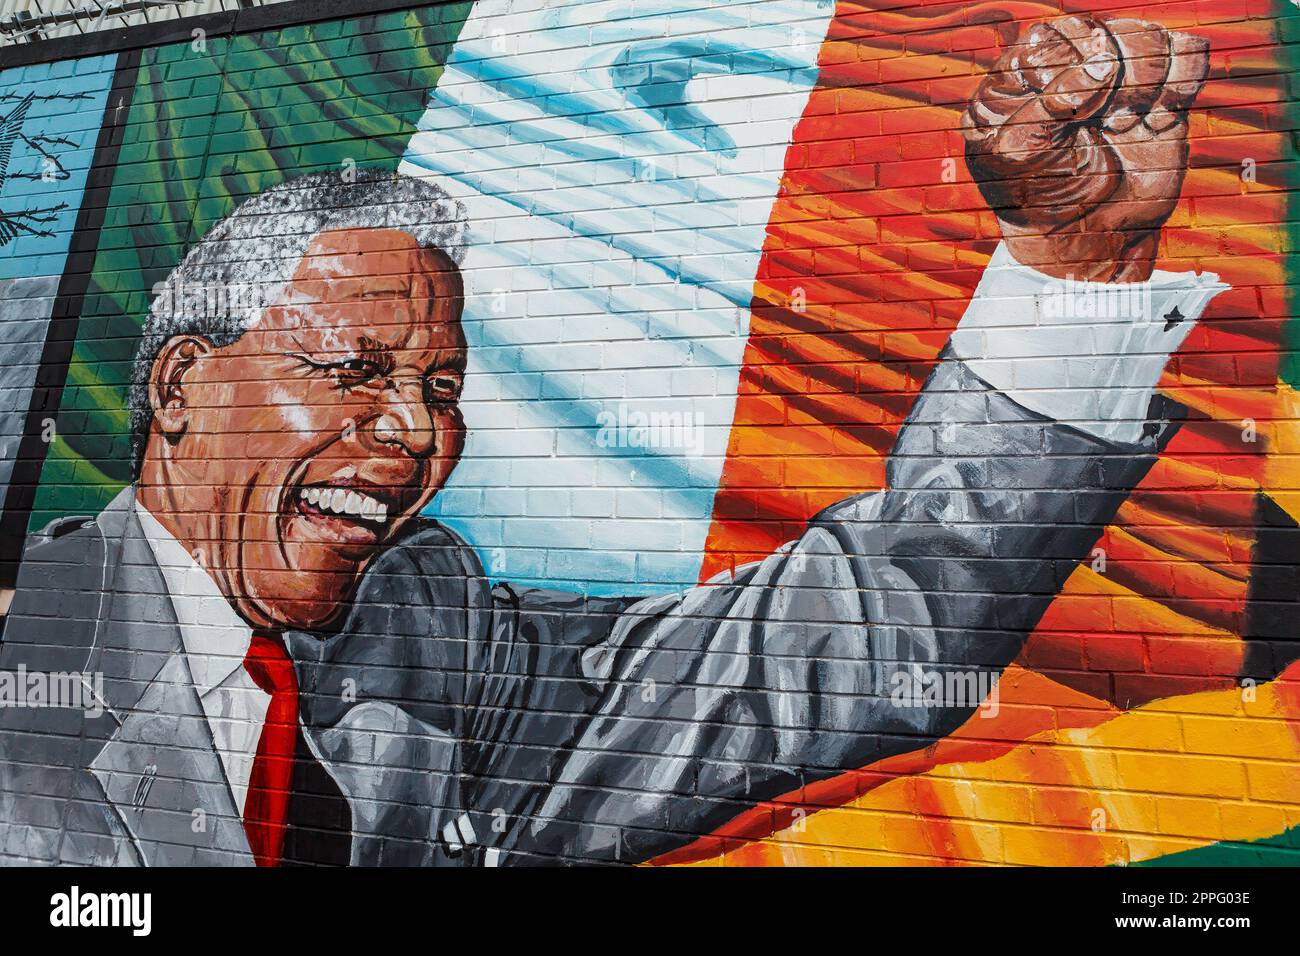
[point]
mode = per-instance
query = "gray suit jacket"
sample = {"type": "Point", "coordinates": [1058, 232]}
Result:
{"type": "Point", "coordinates": [469, 724]}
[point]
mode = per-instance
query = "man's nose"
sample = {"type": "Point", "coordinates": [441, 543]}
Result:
{"type": "Point", "coordinates": [405, 420]}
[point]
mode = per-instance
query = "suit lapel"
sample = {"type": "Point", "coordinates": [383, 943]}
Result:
{"type": "Point", "coordinates": [162, 775]}
{"type": "Point", "coordinates": [159, 770]}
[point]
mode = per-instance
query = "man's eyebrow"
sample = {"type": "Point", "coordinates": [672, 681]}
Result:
{"type": "Point", "coordinates": [457, 367]}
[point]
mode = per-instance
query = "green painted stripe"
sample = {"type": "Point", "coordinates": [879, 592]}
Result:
{"type": "Point", "coordinates": [1280, 850]}
{"type": "Point", "coordinates": [1288, 32]}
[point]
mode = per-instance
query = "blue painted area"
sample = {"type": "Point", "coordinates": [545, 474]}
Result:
{"type": "Point", "coordinates": [54, 111]}
{"type": "Point", "coordinates": [50, 115]}
{"type": "Point", "coordinates": [618, 163]}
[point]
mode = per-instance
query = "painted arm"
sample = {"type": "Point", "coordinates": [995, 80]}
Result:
{"type": "Point", "coordinates": [825, 656]}
{"type": "Point", "coordinates": [1020, 449]}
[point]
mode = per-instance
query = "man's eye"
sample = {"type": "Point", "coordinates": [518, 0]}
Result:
{"type": "Point", "coordinates": [444, 388]}
{"type": "Point", "coordinates": [355, 371]}
{"type": "Point", "coordinates": [348, 372]}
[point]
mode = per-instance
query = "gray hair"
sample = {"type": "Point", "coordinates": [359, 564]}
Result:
{"type": "Point", "coordinates": [220, 286]}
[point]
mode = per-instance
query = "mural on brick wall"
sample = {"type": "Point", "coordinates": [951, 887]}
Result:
{"type": "Point", "coordinates": [752, 433]}
{"type": "Point", "coordinates": [51, 118]}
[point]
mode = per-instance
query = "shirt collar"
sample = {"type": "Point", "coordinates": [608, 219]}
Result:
{"type": "Point", "coordinates": [215, 638]}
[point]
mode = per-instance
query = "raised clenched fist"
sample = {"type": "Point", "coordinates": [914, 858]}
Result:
{"type": "Point", "coordinates": [1078, 140]}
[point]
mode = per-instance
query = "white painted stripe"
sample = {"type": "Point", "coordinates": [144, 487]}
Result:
{"type": "Point", "coordinates": [618, 162]}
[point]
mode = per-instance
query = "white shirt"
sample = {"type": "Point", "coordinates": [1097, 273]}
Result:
{"type": "Point", "coordinates": [216, 640]}
{"type": "Point", "coordinates": [1089, 354]}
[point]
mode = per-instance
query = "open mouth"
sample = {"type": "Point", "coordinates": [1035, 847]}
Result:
{"type": "Point", "coordinates": [348, 503]}
{"type": "Point", "coordinates": [346, 513]}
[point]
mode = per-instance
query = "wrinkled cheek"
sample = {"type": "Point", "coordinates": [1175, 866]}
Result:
{"type": "Point", "coordinates": [449, 443]}
{"type": "Point", "coordinates": [275, 430]}
{"type": "Point", "coordinates": [261, 576]}
{"type": "Point", "coordinates": [261, 547]}
{"type": "Point", "coordinates": [450, 437]}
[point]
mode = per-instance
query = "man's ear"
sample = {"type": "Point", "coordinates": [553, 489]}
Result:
{"type": "Point", "coordinates": [169, 382]}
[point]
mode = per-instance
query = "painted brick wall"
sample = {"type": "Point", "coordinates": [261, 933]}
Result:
{"type": "Point", "coordinates": [709, 257]}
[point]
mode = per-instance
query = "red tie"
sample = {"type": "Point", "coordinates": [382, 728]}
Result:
{"type": "Point", "coordinates": [266, 807]}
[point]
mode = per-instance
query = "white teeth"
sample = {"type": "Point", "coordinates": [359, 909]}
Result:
{"type": "Point", "coordinates": [341, 501]}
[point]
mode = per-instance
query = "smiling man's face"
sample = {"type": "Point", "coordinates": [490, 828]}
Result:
{"type": "Point", "coordinates": [289, 459]}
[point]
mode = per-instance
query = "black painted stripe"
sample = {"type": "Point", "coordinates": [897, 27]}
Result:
{"type": "Point", "coordinates": [224, 23]}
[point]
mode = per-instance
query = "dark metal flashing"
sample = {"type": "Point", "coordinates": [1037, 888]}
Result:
{"type": "Point", "coordinates": [224, 23]}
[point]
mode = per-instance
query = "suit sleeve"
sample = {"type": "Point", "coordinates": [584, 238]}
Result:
{"type": "Point", "coordinates": [814, 660]}
{"type": "Point", "coordinates": [883, 627]}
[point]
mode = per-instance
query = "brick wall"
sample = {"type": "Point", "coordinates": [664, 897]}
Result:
{"type": "Point", "coordinates": [707, 258]}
